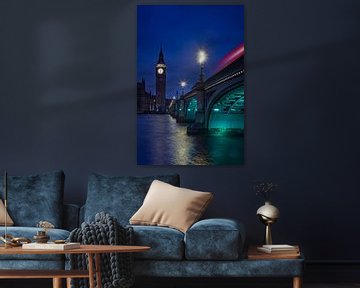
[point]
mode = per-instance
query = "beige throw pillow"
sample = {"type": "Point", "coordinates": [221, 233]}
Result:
{"type": "Point", "coordinates": [9, 221]}
{"type": "Point", "coordinates": [170, 206]}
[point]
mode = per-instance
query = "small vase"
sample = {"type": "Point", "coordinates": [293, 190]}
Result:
{"type": "Point", "coordinates": [268, 214]}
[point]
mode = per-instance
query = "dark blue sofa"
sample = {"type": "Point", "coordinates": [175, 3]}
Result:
{"type": "Point", "coordinates": [210, 248]}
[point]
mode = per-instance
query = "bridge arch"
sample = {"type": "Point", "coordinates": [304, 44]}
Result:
{"type": "Point", "coordinates": [226, 111]}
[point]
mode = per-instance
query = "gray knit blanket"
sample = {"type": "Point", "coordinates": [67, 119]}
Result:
{"type": "Point", "coordinates": [116, 268]}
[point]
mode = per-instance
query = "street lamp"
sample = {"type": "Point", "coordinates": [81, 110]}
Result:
{"type": "Point", "coordinates": [201, 58]}
{"type": "Point", "coordinates": [183, 84]}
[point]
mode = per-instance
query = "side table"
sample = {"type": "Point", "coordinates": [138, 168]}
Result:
{"type": "Point", "coordinates": [288, 259]}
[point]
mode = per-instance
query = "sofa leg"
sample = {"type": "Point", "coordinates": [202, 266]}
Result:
{"type": "Point", "coordinates": [297, 282]}
{"type": "Point", "coordinates": [57, 283]}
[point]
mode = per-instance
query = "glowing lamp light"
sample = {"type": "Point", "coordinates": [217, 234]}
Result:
{"type": "Point", "coordinates": [183, 84]}
{"type": "Point", "coordinates": [201, 57]}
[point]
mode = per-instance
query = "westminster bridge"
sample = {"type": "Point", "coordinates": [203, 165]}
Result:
{"type": "Point", "coordinates": [216, 104]}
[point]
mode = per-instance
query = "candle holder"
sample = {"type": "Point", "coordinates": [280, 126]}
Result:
{"type": "Point", "coordinates": [41, 236]}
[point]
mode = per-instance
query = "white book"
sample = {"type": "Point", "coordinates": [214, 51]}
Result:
{"type": "Point", "coordinates": [51, 246]}
{"type": "Point", "coordinates": [278, 249]}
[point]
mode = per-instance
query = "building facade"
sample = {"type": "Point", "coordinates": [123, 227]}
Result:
{"type": "Point", "coordinates": [145, 103]}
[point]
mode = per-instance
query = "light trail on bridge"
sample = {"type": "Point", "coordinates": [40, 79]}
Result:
{"type": "Point", "coordinates": [231, 56]}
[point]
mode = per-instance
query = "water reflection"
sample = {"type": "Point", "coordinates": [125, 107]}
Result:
{"type": "Point", "coordinates": [162, 141]}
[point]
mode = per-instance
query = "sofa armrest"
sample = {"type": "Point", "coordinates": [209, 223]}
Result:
{"type": "Point", "coordinates": [215, 239]}
{"type": "Point", "coordinates": [70, 216]}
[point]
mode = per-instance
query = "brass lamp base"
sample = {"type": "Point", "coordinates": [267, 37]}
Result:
{"type": "Point", "coordinates": [268, 238]}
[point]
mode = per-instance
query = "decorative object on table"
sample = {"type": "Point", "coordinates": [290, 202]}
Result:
{"type": "Point", "coordinates": [268, 213]}
{"type": "Point", "coordinates": [61, 241]}
{"type": "Point", "coordinates": [41, 236]}
{"type": "Point", "coordinates": [11, 241]}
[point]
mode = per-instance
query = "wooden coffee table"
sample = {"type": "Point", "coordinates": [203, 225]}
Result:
{"type": "Point", "coordinates": [93, 251]}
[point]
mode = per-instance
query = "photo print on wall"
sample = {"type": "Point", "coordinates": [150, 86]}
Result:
{"type": "Point", "coordinates": [190, 89]}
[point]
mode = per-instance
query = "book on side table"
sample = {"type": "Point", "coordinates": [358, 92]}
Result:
{"type": "Point", "coordinates": [51, 246]}
{"type": "Point", "coordinates": [282, 251]}
{"type": "Point", "coordinates": [282, 248]}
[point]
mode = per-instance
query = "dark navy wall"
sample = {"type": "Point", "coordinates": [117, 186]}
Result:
{"type": "Point", "coordinates": [68, 101]}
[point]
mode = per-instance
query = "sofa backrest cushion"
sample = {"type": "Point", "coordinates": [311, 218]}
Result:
{"type": "Point", "coordinates": [120, 196]}
{"type": "Point", "coordinates": [35, 198]}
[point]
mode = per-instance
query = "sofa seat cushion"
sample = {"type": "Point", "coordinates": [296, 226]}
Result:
{"type": "Point", "coordinates": [166, 243]}
{"type": "Point", "coordinates": [214, 239]}
{"type": "Point", "coordinates": [213, 269]}
{"type": "Point", "coordinates": [29, 232]}
{"type": "Point", "coordinates": [35, 198]}
{"type": "Point", "coordinates": [119, 196]}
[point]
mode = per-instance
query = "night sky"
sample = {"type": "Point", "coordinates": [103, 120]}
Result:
{"type": "Point", "coordinates": [181, 31]}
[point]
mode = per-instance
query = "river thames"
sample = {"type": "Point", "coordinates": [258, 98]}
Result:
{"type": "Point", "coordinates": [162, 141]}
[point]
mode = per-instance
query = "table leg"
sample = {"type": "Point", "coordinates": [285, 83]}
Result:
{"type": "Point", "coordinates": [57, 283]}
{"type": "Point", "coordinates": [91, 270]}
{"type": "Point", "coordinates": [68, 282]}
{"type": "Point", "coordinates": [98, 270]}
{"type": "Point", "coordinates": [297, 282]}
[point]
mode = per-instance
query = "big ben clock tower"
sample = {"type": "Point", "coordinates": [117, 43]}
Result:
{"type": "Point", "coordinates": [160, 73]}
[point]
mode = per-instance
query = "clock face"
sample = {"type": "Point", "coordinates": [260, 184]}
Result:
{"type": "Point", "coordinates": [160, 71]}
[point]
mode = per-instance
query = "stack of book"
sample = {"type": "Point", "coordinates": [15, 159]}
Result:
{"type": "Point", "coordinates": [279, 249]}
{"type": "Point", "coordinates": [282, 251]}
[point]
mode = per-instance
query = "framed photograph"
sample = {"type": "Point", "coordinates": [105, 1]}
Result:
{"type": "Point", "coordinates": [190, 89]}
